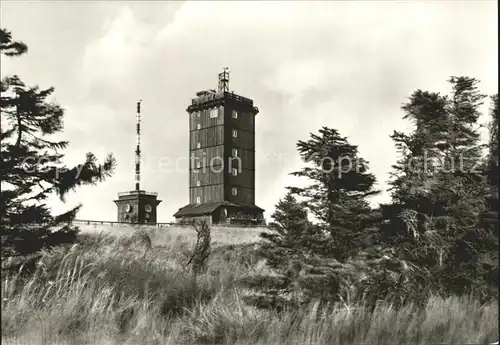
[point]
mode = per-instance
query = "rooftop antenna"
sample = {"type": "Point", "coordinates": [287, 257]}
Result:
{"type": "Point", "coordinates": [224, 80]}
{"type": "Point", "coordinates": [138, 147]}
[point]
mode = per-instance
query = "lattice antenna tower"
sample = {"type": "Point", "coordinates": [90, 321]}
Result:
{"type": "Point", "coordinates": [224, 80]}
{"type": "Point", "coordinates": [138, 148]}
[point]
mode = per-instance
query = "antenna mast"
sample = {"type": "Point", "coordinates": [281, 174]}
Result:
{"type": "Point", "coordinates": [224, 80]}
{"type": "Point", "coordinates": [138, 147]}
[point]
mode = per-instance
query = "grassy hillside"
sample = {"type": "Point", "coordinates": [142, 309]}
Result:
{"type": "Point", "coordinates": [118, 286]}
{"type": "Point", "coordinates": [174, 235]}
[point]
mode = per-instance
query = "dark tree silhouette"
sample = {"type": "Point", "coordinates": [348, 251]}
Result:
{"type": "Point", "coordinates": [439, 233]}
{"type": "Point", "coordinates": [311, 260]}
{"type": "Point", "coordinates": [31, 165]}
{"type": "Point", "coordinates": [439, 188]}
{"type": "Point", "coordinates": [340, 185]}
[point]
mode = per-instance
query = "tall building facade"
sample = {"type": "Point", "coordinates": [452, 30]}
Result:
{"type": "Point", "coordinates": [222, 157]}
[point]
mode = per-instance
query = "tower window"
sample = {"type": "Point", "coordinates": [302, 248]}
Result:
{"type": "Point", "coordinates": [235, 114]}
{"type": "Point", "coordinates": [198, 165]}
{"type": "Point", "coordinates": [198, 199]}
{"type": "Point", "coordinates": [235, 133]}
{"type": "Point", "coordinates": [214, 113]}
{"type": "Point", "coordinates": [235, 152]}
{"type": "Point", "coordinates": [198, 126]}
{"type": "Point", "coordinates": [234, 191]}
{"type": "Point", "coordinates": [198, 114]}
{"type": "Point", "coordinates": [235, 172]}
{"type": "Point", "coordinates": [198, 183]}
{"type": "Point", "coordinates": [198, 145]}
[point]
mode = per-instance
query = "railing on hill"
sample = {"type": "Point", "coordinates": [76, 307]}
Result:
{"type": "Point", "coordinates": [137, 192]}
{"type": "Point", "coordinates": [110, 222]}
{"type": "Point", "coordinates": [159, 225]}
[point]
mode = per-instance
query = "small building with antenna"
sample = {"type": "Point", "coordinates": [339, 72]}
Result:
{"type": "Point", "coordinates": [222, 157]}
{"type": "Point", "coordinates": [137, 206]}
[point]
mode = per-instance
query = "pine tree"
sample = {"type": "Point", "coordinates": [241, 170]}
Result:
{"type": "Point", "coordinates": [340, 184]}
{"type": "Point", "coordinates": [31, 165]}
{"type": "Point", "coordinates": [330, 260]}
{"type": "Point", "coordinates": [492, 157]}
{"type": "Point", "coordinates": [348, 264]}
{"type": "Point", "coordinates": [438, 193]}
{"type": "Point", "coordinates": [489, 255]}
{"type": "Point", "coordinates": [292, 235]}
{"type": "Point", "coordinates": [290, 240]}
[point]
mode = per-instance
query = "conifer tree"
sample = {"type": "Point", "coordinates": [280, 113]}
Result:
{"type": "Point", "coordinates": [292, 235]}
{"type": "Point", "coordinates": [31, 165]}
{"type": "Point", "coordinates": [325, 261]}
{"type": "Point", "coordinates": [492, 157]}
{"type": "Point", "coordinates": [489, 255]}
{"type": "Point", "coordinates": [340, 184]}
{"type": "Point", "coordinates": [291, 240]}
{"type": "Point", "coordinates": [438, 189]}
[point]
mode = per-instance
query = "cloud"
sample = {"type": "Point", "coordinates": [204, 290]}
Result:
{"type": "Point", "coordinates": [346, 65]}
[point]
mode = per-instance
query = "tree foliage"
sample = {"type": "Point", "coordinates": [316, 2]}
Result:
{"type": "Point", "coordinates": [292, 236]}
{"type": "Point", "coordinates": [201, 251]}
{"type": "Point", "coordinates": [439, 233]}
{"type": "Point", "coordinates": [315, 260]}
{"type": "Point", "coordinates": [291, 240]}
{"type": "Point", "coordinates": [340, 184]}
{"type": "Point", "coordinates": [31, 165]}
{"type": "Point", "coordinates": [439, 188]}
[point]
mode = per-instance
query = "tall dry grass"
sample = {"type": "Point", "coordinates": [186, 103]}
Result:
{"type": "Point", "coordinates": [135, 289]}
{"type": "Point", "coordinates": [173, 235]}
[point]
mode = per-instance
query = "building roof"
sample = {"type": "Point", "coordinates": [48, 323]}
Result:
{"type": "Point", "coordinates": [209, 207]}
{"type": "Point", "coordinates": [137, 194]}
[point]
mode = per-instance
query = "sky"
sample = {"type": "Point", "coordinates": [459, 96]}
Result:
{"type": "Point", "coordinates": [306, 64]}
